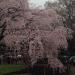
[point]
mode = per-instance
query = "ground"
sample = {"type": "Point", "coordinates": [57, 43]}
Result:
{"type": "Point", "coordinates": [72, 71]}
{"type": "Point", "coordinates": [12, 69]}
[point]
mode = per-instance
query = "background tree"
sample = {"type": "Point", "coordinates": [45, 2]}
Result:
{"type": "Point", "coordinates": [66, 9]}
{"type": "Point", "coordinates": [39, 33]}
{"type": "Point", "coordinates": [69, 16]}
{"type": "Point", "coordinates": [2, 30]}
{"type": "Point", "coordinates": [12, 15]}
{"type": "Point", "coordinates": [45, 40]}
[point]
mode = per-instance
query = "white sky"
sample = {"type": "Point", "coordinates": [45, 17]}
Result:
{"type": "Point", "coordinates": [38, 3]}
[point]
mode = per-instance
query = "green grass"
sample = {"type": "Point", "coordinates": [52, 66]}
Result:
{"type": "Point", "coordinates": [21, 74]}
{"type": "Point", "coordinates": [4, 69]}
{"type": "Point", "coordinates": [25, 74]}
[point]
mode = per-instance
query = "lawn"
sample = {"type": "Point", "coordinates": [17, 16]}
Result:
{"type": "Point", "coordinates": [6, 69]}
{"type": "Point", "coordinates": [25, 74]}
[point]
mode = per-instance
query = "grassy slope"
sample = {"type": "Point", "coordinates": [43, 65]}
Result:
{"type": "Point", "coordinates": [4, 69]}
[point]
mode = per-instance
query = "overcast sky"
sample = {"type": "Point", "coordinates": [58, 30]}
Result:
{"type": "Point", "coordinates": [37, 3]}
